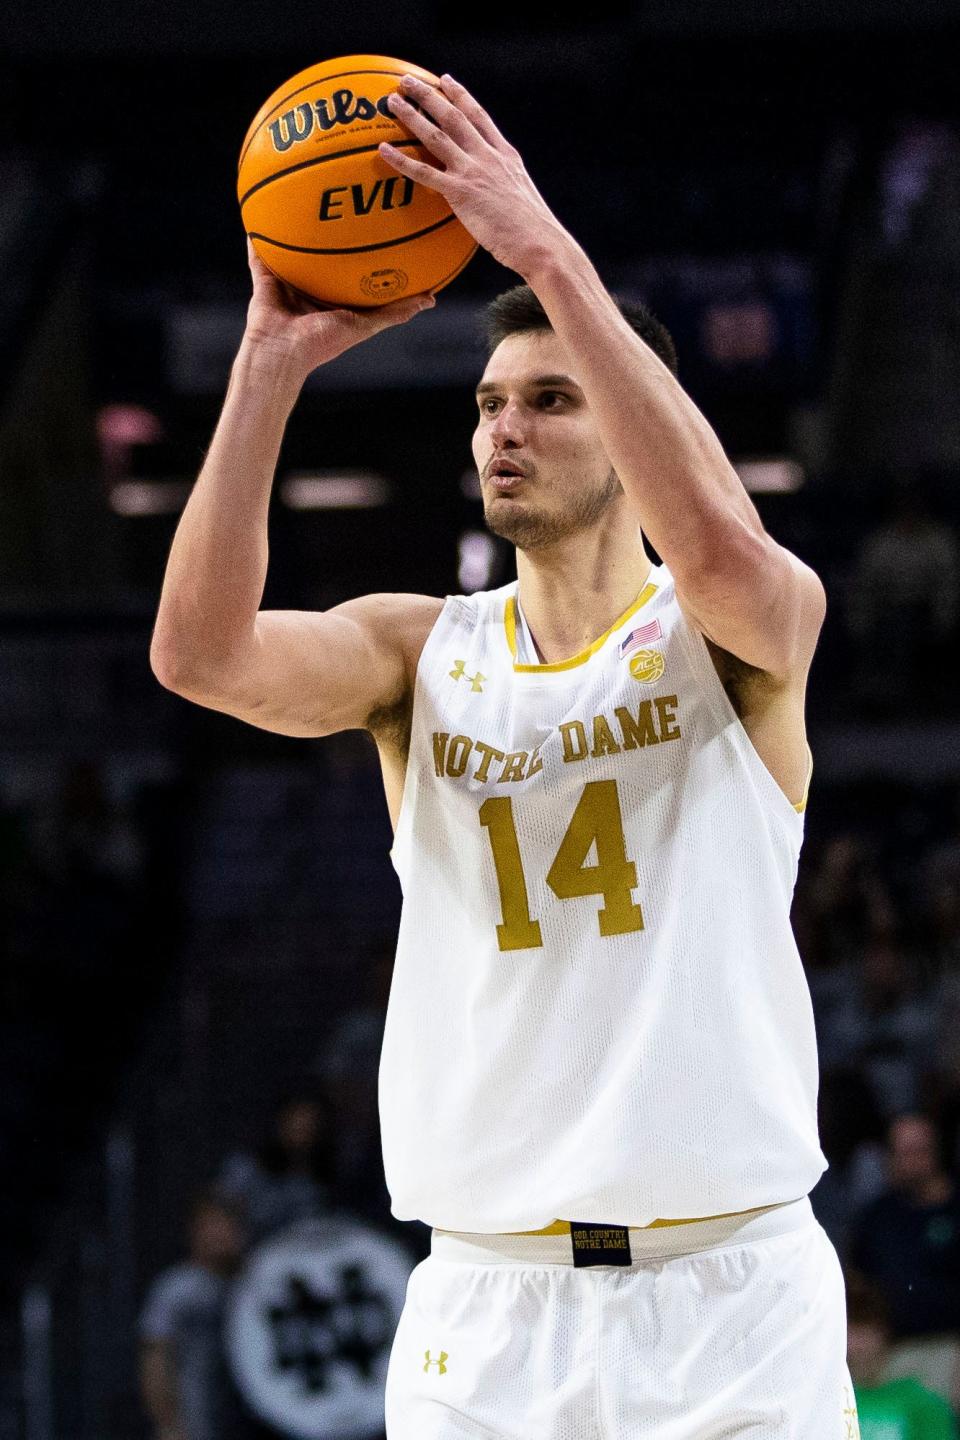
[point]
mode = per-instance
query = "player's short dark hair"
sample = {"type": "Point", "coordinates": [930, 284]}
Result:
{"type": "Point", "coordinates": [518, 312]}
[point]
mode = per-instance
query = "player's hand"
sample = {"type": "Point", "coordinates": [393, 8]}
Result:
{"type": "Point", "coordinates": [482, 178]}
{"type": "Point", "coordinates": [294, 332]}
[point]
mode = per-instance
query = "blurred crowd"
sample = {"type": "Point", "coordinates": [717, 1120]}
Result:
{"type": "Point", "coordinates": [877, 921]}
{"type": "Point", "coordinates": [84, 887]}
{"type": "Point", "coordinates": [901, 608]}
{"type": "Point", "coordinates": [307, 1192]}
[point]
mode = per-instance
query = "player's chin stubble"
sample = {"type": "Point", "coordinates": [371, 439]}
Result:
{"type": "Point", "coordinates": [530, 528]}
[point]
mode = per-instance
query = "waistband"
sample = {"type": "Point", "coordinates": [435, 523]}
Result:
{"type": "Point", "coordinates": [646, 1242]}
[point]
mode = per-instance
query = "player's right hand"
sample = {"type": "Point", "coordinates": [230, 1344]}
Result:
{"type": "Point", "coordinates": [300, 334]}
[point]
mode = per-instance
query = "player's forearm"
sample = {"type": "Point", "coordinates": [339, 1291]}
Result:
{"type": "Point", "coordinates": [159, 1390]}
{"type": "Point", "coordinates": [217, 567]}
{"type": "Point", "coordinates": [686, 494]}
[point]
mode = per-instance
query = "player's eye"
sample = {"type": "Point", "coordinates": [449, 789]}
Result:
{"type": "Point", "coordinates": [489, 405]}
{"type": "Point", "coordinates": [549, 396]}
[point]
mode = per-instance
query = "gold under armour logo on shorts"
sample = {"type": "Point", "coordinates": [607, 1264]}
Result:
{"type": "Point", "coordinates": [441, 1364]}
{"type": "Point", "coordinates": [850, 1415]}
{"type": "Point", "coordinates": [476, 681]}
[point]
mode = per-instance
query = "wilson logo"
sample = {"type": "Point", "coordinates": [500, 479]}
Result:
{"type": "Point", "coordinates": [343, 108]}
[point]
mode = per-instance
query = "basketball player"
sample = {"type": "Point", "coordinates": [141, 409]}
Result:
{"type": "Point", "coordinates": [599, 1073]}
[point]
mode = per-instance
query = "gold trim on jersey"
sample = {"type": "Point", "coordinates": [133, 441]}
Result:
{"type": "Point", "coordinates": [562, 1227]}
{"type": "Point", "coordinates": [510, 626]}
{"type": "Point", "coordinates": [801, 805]}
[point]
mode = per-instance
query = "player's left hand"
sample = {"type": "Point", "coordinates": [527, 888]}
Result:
{"type": "Point", "coordinates": [483, 179]}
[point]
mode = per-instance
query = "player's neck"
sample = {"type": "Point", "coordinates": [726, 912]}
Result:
{"type": "Point", "coordinates": [573, 592]}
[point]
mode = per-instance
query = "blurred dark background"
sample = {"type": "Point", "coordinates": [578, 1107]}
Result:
{"type": "Point", "coordinates": [197, 917]}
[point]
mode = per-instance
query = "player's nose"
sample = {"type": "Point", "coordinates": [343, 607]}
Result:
{"type": "Point", "coordinates": [506, 426]}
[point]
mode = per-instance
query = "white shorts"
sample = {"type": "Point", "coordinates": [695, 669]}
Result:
{"type": "Point", "coordinates": [716, 1330]}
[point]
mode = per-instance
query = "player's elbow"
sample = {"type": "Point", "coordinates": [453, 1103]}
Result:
{"type": "Point", "coordinates": [185, 677]}
{"type": "Point", "coordinates": [167, 661]}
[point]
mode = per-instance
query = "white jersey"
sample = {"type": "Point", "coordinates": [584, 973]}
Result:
{"type": "Point", "coordinates": [598, 1010]}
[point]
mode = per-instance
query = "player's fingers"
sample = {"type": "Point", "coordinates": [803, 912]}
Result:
{"type": "Point", "coordinates": [461, 98]}
{"type": "Point", "coordinates": [258, 270]}
{"type": "Point", "coordinates": [399, 311]}
{"type": "Point", "coordinates": [265, 282]}
{"type": "Point", "coordinates": [422, 174]}
{"type": "Point", "coordinates": [435, 105]}
{"type": "Point", "coordinates": [412, 118]}
{"type": "Point", "coordinates": [360, 324]}
{"type": "Point", "coordinates": [296, 300]}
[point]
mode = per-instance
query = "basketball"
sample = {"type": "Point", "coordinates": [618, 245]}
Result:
{"type": "Point", "coordinates": [324, 211]}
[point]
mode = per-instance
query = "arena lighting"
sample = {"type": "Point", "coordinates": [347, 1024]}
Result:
{"type": "Point", "coordinates": [334, 490]}
{"type": "Point", "coordinates": [476, 552]}
{"type": "Point", "coordinates": [119, 428]}
{"type": "Point", "coordinates": [769, 475]}
{"type": "Point", "coordinates": [149, 497]}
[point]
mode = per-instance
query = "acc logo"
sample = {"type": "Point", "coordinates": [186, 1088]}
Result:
{"type": "Point", "coordinates": [384, 282]}
{"type": "Point", "coordinates": [646, 665]}
{"type": "Point", "coordinates": [441, 1364]}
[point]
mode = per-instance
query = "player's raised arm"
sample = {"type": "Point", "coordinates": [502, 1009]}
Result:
{"type": "Point", "coordinates": [298, 672]}
{"type": "Point", "coordinates": [746, 592]}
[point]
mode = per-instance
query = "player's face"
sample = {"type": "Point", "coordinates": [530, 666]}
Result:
{"type": "Point", "coordinates": [299, 1125]}
{"type": "Point", "coordinates": [217, 1238]}
{"type": "Point", "coordinates": [534, 421]}
{"type": "Point", "coordinates": [912, 1156]}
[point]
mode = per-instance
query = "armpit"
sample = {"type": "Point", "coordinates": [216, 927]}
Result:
{"type": "Point", "coordinates": [736, 676]}
{"type": "Point", "coordinates": [390, 724]}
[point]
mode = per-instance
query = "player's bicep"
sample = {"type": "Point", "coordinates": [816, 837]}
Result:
{"type": "Point", "coordinates": [311, 673]}
{"type": "Point", "coordinates": [764, 606]}
{"type": "Point", "coordinates": [314, 673]}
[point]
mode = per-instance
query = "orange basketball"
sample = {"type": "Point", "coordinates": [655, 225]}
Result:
{"type": "Point", "coordinates": [323, 210]}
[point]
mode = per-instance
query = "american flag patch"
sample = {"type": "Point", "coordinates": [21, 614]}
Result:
{"type": "Point", "coordinates": [643, 636]}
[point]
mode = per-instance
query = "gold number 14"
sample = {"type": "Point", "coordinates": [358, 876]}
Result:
{"type": "Point", "coordinates": [596, 818]}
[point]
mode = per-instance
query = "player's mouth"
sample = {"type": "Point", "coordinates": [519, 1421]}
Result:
{"type": "Point", "coordinates": [505, 474]}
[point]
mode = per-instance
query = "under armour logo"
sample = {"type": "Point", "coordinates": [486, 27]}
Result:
{"type": "Point", "coordinates": [460, 669]}
{"type": "Point", "coordinates": [441, 1364]}
{"type": "Point", "coordinates": [850, 1415]}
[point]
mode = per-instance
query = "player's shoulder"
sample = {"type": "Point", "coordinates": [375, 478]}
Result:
{"type": "Point", "coordinates": [392, 619]}
{"type": "Point", "coordinates": [404, 621]}
{"type": "Point", "coordinates": [480, 604]}
{"type": "Point", "coordinates": [391, 608]}
{"type": "Point", "coordinates": [468, 610]}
